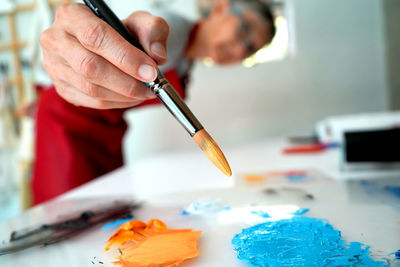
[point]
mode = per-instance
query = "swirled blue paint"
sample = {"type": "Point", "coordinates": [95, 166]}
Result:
{"type": "Point", "coordinates": [299, 241]}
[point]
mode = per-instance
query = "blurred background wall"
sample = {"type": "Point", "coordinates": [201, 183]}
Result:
{"type": "Point", "coordinates": [391, 11]}
{"type": "Point", "coordinates": [337, 66]}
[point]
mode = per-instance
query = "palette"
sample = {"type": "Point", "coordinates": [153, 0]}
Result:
{"type": "Point", "coordinates": [281, 177]}
{"type": "Point", "coordinates": [375, 223]}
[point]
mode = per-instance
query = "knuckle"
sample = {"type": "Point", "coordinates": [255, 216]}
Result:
{"type": "Point", "coordinates": [91, 89]}
{"type": "Point", "coordinates": [123, 54]}
{"type": "Point", "coordinates": [100, 104]}
{"type": "Point", "coordinates": [140, 13]}
{"type": "Point", "coordinates": [132, 91]}
{"type": "Point", "coordinates": [93, 36]}
{"type": "Point", "coordinates": [46, 38]}
{"type": "Point", "coordinates": [156, 28]}
{"type": "Point", "coordinates": [49, 41]}
{"type": "Point", "coordinates": [64, 94]}
{"type": "Point", "coordinates": [46, 64]}
{"type": "Point", "coordinates": [49, 64]}
{"type": "Point", "coordinates": [57, 87]}
{"type": "Point", "coordinates": [63, 91]}
{"type": "Point", "coordinates": [50, 70]}
{"type": "Point", "coordinates": [160, 22]}
{"type": "Point", "coordinates": [62, 11]}
{"type": "Point", "coordinates": [88, 66]}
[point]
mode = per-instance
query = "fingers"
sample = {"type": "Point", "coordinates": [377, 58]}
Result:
{"type": "Point", "coordinates": [91, 89]}
{"type": "Point", "coordinates": [101, 39]}
{"type": "Point", "coordinates": [152, 33]}
{"type": "Point", "coordinates": [96, 70]}
{"type": "Point", "coordinates": [78, 90]}
{"type": "Point", "coordinates": [92, 96]}
{"type": "Point", "coordinates": [78, 98]}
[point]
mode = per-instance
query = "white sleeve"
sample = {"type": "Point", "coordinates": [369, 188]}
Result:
{"type": "Point", "coordinates": [179, 31]}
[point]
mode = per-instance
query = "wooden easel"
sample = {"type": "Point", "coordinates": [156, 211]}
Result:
{"type": "Point", "coordinates": [17, 82]}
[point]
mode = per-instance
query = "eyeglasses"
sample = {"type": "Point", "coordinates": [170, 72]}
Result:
{"type": "Point", "coordinates": [243, 31]}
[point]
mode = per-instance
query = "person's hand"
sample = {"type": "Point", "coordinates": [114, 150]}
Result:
{"type": "Point", "coordinates": [91, 65]}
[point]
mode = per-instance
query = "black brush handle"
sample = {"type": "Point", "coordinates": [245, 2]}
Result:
{"type": "Point", "coordinates": [100, 8]}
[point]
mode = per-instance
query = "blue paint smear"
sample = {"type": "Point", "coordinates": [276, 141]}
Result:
{"type": "Point", "coordinates": [370, 187]}
{"type": "Point", "coordinates": [203, 211]}
{"type": "Point", "coordinates": [299, 241]}
{"type": "Point", "coordinates": [203, 207]}
{"type": "Point", "coordinates": [184, 213]}
{"type": "Point", "coordinates": [296, 178]}
{"type": "Point", "coordinates": [397, 254]}
{"type": "Point", "coordinates": [395, 190]}
{"type": "Point", "coordinates": [117, 222]}
{"type": "Point", "coordinates": [373, 188]}
{"type": "Point", "coordinates": [261, 214]}
{"type": "Point", "coordinates": [300, 211]}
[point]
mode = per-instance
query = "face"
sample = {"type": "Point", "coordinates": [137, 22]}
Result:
{"type": "Point", "coordinates": [233, 35]}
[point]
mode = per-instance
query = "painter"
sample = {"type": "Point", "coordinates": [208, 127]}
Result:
{"type": "Point", "coordinates": [103, 75]}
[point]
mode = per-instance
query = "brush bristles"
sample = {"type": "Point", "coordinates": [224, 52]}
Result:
{"type": "Point", "coordinates": [212, 151]}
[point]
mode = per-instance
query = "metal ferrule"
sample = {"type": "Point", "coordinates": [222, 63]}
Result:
{"type": "Point", "coordinates": [175, 104]}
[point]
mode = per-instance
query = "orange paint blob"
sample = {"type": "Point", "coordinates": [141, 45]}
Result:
{"type": "Point", "coordinates": [254, 178]}
{"type": "Point", "coordinates": [153, 244]}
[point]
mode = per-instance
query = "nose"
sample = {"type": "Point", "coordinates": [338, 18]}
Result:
{"type": "Point", "coordinates": [240, 51]}
{"type": "Point", "coordinates": [233, 52]}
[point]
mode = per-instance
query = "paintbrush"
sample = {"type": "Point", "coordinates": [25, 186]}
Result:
{"type": "Point", "coordinates": [167, 94]}
{"type": "Point", "coordinates": [47, 234]}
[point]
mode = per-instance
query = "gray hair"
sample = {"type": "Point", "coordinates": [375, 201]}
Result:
{"type": "Point", "coordinates": [260, 8]}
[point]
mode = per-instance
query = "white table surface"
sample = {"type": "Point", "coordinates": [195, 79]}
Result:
{"type": "Point", "coordinates": [169, 182]}
{"type": "Point", "coordinates": [190, 170]}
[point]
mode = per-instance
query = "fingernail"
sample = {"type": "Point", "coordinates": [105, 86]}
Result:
{"type": "Point", "coordinates": [147, 72]}
{"type": "Point", "coordinates": [158, 49]}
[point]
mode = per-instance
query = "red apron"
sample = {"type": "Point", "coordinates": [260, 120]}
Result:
{"type": "Point", "coordinates": [74, 144]}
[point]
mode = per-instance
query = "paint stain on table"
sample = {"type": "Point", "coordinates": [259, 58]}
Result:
{"type": "Point", "coordinates": [397, 254]}
{"type": "Point", "coordinates": [299, 241]}
{"type": "Point", "coordinates": [118, 222]}
{"type": "Point", "coordinates": [291, 175]}
{"type": "Point", "coordinates": [261, 213]}
{"type": "Point", "coordinates": [204, 206]}
{"type": "Point", "coordinates": [394, 190]}
{"type": "Point", "coordinates": [300, 211]}
{"type": "Point", "coordinates": [153, 244]}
